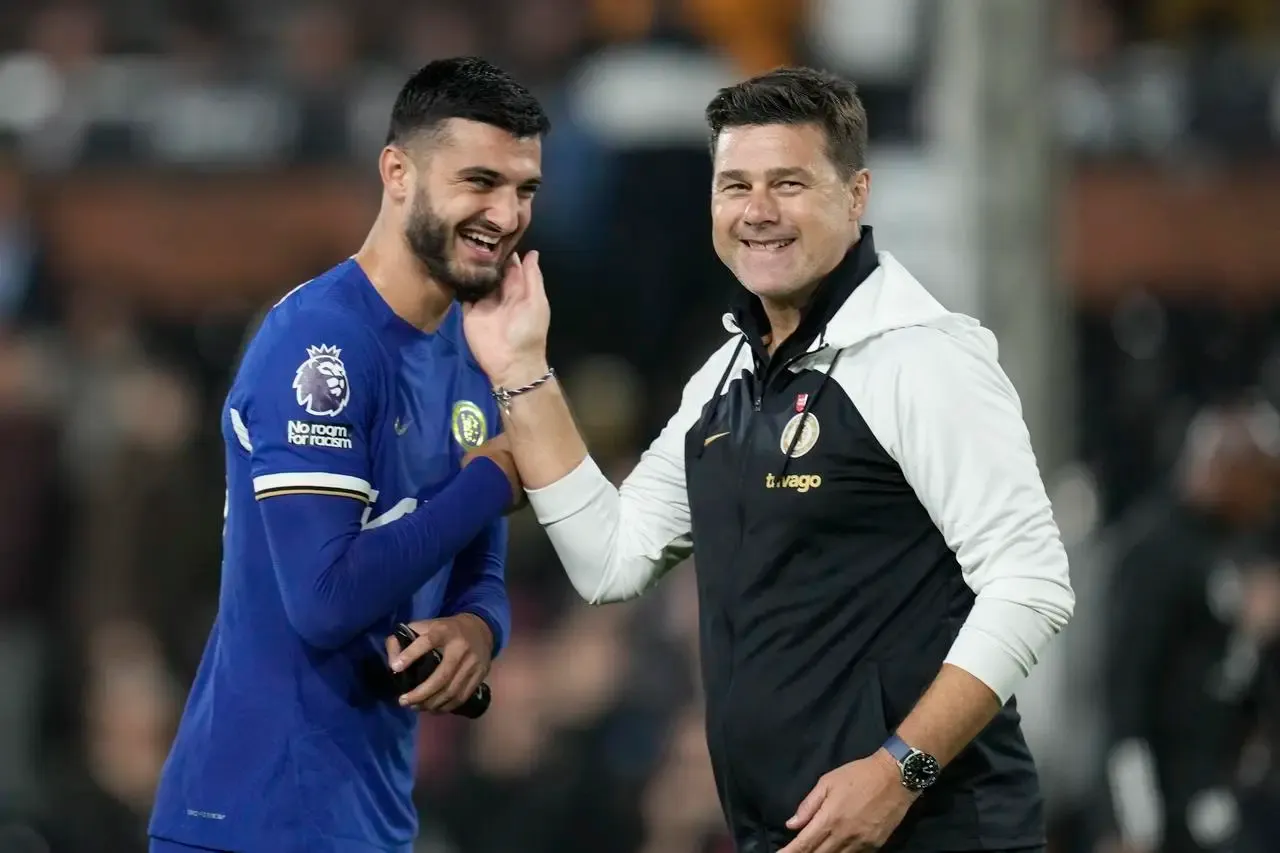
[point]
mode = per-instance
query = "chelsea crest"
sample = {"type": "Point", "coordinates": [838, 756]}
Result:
{"type": "Point", "coordinates": [470, 429]}
{"type": "Point", "coordinates": [807, 425]}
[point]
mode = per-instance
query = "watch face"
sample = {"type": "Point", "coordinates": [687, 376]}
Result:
{"type": "Point", "coordinates": [919, 771]}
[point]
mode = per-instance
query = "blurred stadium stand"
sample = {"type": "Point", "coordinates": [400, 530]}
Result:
{"type": "Point", "coordinates": [167, 169]}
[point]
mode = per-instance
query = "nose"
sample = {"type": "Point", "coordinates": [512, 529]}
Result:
{"type": "Point", "coordinates": [761, 210]}
{"type": "Point", "coordinates": [504, 210]}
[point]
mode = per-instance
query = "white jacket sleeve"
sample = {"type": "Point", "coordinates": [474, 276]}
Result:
{"type": "Point", "coordinates": [957, 433]}
{"type": "Point", "coordinates": [615, 544]}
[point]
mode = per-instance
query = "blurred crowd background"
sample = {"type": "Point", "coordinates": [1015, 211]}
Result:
{"type": "Point", "coordinates": [1098, 180]}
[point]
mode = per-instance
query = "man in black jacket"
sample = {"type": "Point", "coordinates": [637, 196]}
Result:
{"type": "Point", "coordinates": [1192, 613]}
{"type": "Point", "coordinates": [878, 564]}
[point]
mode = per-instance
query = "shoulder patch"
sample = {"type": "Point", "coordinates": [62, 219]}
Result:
{"type": "Point", "coordinates": [320, 382]}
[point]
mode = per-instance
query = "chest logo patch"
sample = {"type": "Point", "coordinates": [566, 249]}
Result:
{"type": "Point", "coordinates": [470, 429]}
{"type": "Point", "coordinates": [807, 424]}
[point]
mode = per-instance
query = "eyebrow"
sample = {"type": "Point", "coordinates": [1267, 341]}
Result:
{"type": "Point", "coordinates": [775, 174]}
{"type": "Point", "coordinates": [495, 176]}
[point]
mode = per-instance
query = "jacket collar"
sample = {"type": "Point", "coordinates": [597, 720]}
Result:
{"type": "Point", "coordinates": [747, 312]}
{"type": "Point", "coordinates": [867, 294]}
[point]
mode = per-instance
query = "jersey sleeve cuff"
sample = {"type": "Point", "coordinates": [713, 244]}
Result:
{"type": "Point", "coordinates": [569, 495]}
{"type": "Point", "coordinates": [312, 483]}
{"type": "Point", "coordinates": [999, 644]}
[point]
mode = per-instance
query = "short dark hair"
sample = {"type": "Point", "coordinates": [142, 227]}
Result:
{"type": "Point", "coordinates": [465, 87]}
{"type": "Point", "coordinates": [797, 96]}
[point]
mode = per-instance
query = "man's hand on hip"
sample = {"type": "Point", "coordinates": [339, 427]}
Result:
{"type": "Point", "coordinates": [853, 808]}
{"type": "Point", "coordinates": [466, 644]}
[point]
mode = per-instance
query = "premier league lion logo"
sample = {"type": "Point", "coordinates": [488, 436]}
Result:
{"type": "Point", "coordinates": [321, 382]}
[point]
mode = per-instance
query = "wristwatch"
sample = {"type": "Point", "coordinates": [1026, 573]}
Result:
{"type": "Point", "coordinates": [919, 769]}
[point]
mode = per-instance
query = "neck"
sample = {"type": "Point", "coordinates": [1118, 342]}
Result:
{"type": "Point", "coordinates": [401, 279]}
{"type": "Point", "coordinates": [784, 319]}
{"type": "Point", "coordinates": [784, 313]}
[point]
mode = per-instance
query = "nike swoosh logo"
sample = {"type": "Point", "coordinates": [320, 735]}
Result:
{"type": "Point", "coordinates": [401, 428]}
{"type": "Point", "coordinates": [712, 438]}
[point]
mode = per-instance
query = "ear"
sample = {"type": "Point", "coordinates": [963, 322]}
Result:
{"type": "Point", "coordinates": [859, 194]}
{"type": "Point", "coordinates": [396, 171]}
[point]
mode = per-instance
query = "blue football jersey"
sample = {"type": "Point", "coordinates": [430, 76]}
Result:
{"type": "Point", "coordinates": [285, 744]}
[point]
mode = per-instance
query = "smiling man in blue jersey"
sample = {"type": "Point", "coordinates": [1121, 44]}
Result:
{"type": "Point", "coordinates": [351, 503]}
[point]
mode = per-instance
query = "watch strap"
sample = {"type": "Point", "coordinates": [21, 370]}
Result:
{"type": "Point", "coordinates": [897, 747]}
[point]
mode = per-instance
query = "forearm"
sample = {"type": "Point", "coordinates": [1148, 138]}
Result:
{"type": "Point", "coordinates": [477, 584]}
{"type": "Point", "coordinates": [544, 439]}
{"type": "Point", "coordinates": [952, 712]}
{"type": "Point", "coordinates": [977, 477]}
{"type": "Point", "coordinates": [486, 598]}
{"type": "Point", "coordinates": [612, 547]}
{"type": "Point", "coordinates": [581, 514]}
{"type": "Point", "coordinates": [998, 645]}
{"type": "Point", "coordinates": [335, 586]}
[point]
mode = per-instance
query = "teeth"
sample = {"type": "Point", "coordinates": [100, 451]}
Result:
{"type": "Point", "coordinates": [488, 241]}
{"type": "Point", "coordinates": [768, 244]}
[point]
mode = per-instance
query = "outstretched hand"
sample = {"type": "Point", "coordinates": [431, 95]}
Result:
{"type": "Point", "coordinates": [507, 331]}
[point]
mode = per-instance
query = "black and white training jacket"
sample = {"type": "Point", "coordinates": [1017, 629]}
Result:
{"type": "Point", "coordinates": [861, 507]}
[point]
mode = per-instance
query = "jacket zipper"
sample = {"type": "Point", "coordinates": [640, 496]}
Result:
{"type": "Point", "coordinates": [727, 702]}
{"type": "Point", "coordinates": [757, 404]}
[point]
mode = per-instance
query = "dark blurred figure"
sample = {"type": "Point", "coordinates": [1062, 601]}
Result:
{"type": "Point", "coordinates": [102, 783]}
{"type": "Point", "coordinates": [68, 37]}
{"type": "Point", "coordinates": [33, 524]}
{"type": "Point", "coordinates": [682, 811]}
{"type": "Point", "coordinates": [319, 52]}
{"type": "Point", "coordinates": [1187, 617]}
{"type": "Point", "coordinates": [1262, 760]}
{"type": "Point", "coordinates": [29, 300]}
{"type": "Point", "coordinates": [1229, 90]}
{"type": "Point", "coordinates": [558, 764]}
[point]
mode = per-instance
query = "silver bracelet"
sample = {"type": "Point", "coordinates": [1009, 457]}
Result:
{"type": "Point", "coordinates": [504, 396]}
